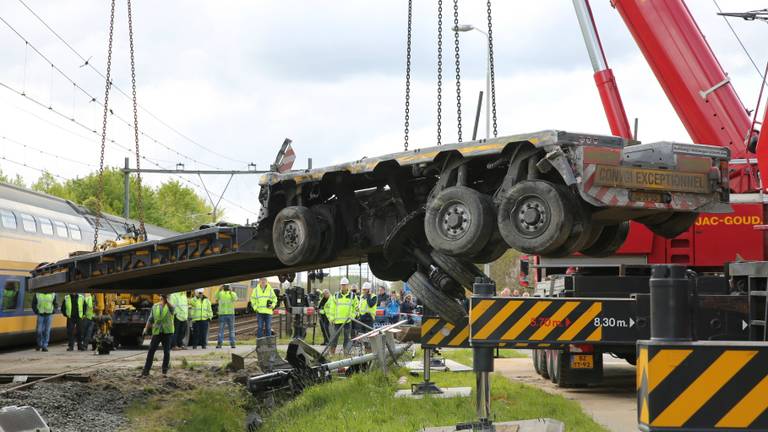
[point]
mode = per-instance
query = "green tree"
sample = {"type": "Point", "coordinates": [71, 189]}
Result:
{"type": "Point", "coordinates": [16, 181]}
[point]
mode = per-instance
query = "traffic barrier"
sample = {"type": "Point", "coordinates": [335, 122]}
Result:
{"type": "Point", "coordinates": [436, 333]}
{"type": "Point", "coordinates": [532, 322]}
{"type": "Point", "coordinates": [702, 386]}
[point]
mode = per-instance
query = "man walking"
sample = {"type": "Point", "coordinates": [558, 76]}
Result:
{"type": "Point", "coordinates": [343, 307]}
{"type": "Point", "coordinates": [87, 321]}
{"type": "Point", "coordinates": [161, 323]}
{"type": "Point", "coordinates": [226, 300]}
{"type": "Point", "coordinates": [200, 312]}
{"type": "Point", "coordinates": [263, 301]}
{"type": "Point", "coordinates": [180, 316]}
{"type": "Point", "coordinates": [43, 305]}
{"type": "Point", "coordinates": [73, 311]}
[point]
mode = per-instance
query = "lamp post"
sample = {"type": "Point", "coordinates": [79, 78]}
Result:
{"type": "Point", "coordinates": [463, 28]}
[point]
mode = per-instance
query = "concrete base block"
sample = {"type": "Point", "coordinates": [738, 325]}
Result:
{"type": "Point", "coordinates": [534, 425]}
{"type": "Point", "coordinates": [450, 366]}
{"type": "Point", "coordinates": [447, 393]}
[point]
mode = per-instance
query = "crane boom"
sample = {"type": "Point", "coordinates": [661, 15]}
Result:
{"type": "Point", "coordinates": [692, 78]}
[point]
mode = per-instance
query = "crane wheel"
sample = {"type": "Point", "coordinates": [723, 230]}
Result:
{"type": "Point", "coordinates": [296, 235]}
{"type": "Point", "coordinates": [581, 231]}
{"type": "Point", "coordinates": [386, 270]}
{"type": "Point", "coordinates": [607, 239]}
{"type": "Point", "coordinates": [463, 272]}
{"type": "Point", "coordinates": [493, 250]}
{"type": "Point", "coordinates": [459, 221]}
{"type": "Point", "coordinates": [534, 218]}
{"type": "Point", "coordinates": [674, 225]}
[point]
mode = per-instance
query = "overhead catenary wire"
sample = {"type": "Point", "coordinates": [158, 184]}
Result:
{"type": "Point", "coordinates": [43, 152]}
{"type": "Point", "coordinates": [26, 165]}
{"type": "Point", "coordinates": [94, 99]}
{"type": "Point", "coordinates": [111, 141]}
{"type": "Point", "coordinates": [736, 35]}
{"type": "Point", "coordinates": [87, 62]}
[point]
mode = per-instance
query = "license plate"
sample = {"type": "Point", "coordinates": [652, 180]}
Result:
{"type": "Point", "coordinates": [638, 178]}
{"type": "Point", "coordinates": [582, 361]}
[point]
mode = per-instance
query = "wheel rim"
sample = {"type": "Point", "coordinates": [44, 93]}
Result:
{"type": "Point", "coordinates": [531, 216]}
{"type": "Point", "coordinates": [292, 235]}
{"type": "Point", "coordinates": [454, 220]}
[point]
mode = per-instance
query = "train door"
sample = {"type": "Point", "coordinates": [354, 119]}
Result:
{"type": "Point", "coordinates": [12, 297]}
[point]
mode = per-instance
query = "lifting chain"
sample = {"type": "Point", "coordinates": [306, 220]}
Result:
{"type": "Point", "coordinates": [439, 71]}
{"type": "Point", "coordinates": [139, 201]}
{"type": "Point", "coordinates": [100, 191]}
{"type": "Point", "coordinates": [493, 71]}
{"type": "Point", "coordinates": [408, 77]}
{"type": "Point", "coordinates": [458, 66]}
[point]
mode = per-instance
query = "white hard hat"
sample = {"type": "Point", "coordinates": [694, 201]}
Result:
{"type": "Point", "coordinates": [344, 281]}
{"type": "Point", "coordinates": [200, 290]}
{"type": "Point", "coordinates": [366, 285]}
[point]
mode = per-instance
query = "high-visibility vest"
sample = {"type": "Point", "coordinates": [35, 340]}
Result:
{"type": "Point", "coordinates": [180, 305]}
{"type": "Point", "coordinates": [162, 319]}
{"type": "Point", "coordinates": [226, 300]}
{"type": "Point", "coordinates": [343, 308]}
{"type": "Point", "coordinates": [68, 305]}
{"type": "Point", "coordinates": [200, 309]}
{"type": "Point", "coordinates": [88, 307]}
{"type": "Point", "coordinates": [363, 308]}
{"type": "Point", "coordinates": [45, 303]}
{"type": "Point", "coordinates": [260, 297]}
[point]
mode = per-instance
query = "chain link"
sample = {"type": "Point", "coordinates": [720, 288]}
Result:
{"type": "Point", "coordinates": [493, 71]}
{"type": "Point", "coordinates": [107, 86]}
{"type": "Point", "coordinates": [458, 66]}
{"type": "Point", "coordinates": [408, 77]}
{"type": "Point", "coordinates": [139, 200]}
{"type": "Point", "coordinates": [439, 71]}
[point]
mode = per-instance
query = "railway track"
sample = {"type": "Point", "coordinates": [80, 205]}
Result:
{"type": "Point", "coordinates": [245, 325]}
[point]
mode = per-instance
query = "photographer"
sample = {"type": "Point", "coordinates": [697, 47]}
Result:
{"type": "Point", "coordinates": [263, 301]}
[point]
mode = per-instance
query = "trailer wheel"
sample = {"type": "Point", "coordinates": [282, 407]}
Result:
{"type": "Point", "coordinates": [534, 218]}
{"type": "Point", "coordinates": [459, 221]}
{"type": "Point", "coordinates": [493, 250]}
{"type": "Point", "coordinates": [296, 235]}
{"type": "Point", "coordinates": [386, 270]}
{"type": "Point", "coordinates": [463, 272]}
{"type": "Point", "coordinates": [675, 225]}
{"type": "Point", "coordinates": [325, 214]}
{"type": "Point", "coordinates": [540, 357]}
{"type": "Point", "coordinates": [554, 364]}
{"type": "Point", "coordinates": [437, 301]}
{"type": "Point", "coordinates": [608, 241]}
{"type": "Point", "coordinates": [580, 231]}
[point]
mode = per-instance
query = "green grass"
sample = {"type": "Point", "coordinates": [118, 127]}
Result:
{"type": "Point", "coordinates": [365, 402]}
{"type": "Point", "coordinates": [220, 409]}
{"type": "Point", "coordinates": [464, 355]}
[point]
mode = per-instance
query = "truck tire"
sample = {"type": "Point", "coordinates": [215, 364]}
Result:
{"type": "Point", "coordinates": [459, 221]}
{"type": "Point", "coordinates": [463, 272]}
{"type": "Point", "coordinates": [493, 250]}
{"type": "Point", "coordinates": [534, 218]}
{"type": "Point", "coordinates": [326, 217]}
{"type": "Point", "coordinates": [677, 224]}
{"type": "Point", "coordinates": [437, 301]}
{"type": "Point", "coordinates": [580, 231]}
{"type": "Point", "coordinates": [296, 235]}
{"type": "Point", "coordinates": [609, 240]}
{"type": "Point", "coordinates": [540, 357]}
{"type": "Point", "coordinates": [383, 269]}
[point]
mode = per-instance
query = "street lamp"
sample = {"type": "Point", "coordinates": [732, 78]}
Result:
{"type": "Point", "coordinates": [463, 28]}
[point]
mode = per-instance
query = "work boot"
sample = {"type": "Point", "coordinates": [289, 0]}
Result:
{"type": "Point", "coordinates": [218, 346]}
{"type": "Point", "coordinates": [37, 348]}
{"type": "Point", "coordinates": [45, 349]}
{"type": "Point", "coordinates": [70, 349]}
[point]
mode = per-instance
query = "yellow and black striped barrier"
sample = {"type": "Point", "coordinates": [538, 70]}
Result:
{"type": "Point", "coordinates": [551, 321]}
{"type": "Point", "coordinates": [437, 333]}
{"type": "Point", "coordinates": [702, 386]}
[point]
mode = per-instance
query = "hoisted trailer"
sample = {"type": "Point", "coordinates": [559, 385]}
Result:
{"type": "Point", "coordinates": [427, 215]}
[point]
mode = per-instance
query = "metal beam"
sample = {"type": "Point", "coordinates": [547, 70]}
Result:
{"type": "Point", "coordinates": [197, 172]}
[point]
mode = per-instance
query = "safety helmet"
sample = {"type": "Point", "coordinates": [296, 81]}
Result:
{"type": "Point", "coordinates": [344, 281]}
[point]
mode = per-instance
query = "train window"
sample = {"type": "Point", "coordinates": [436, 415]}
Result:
{"type": "Point", "coordinates": [61, 228]}
{"type": "Point", "coordinates": [46, 226]}
{"type": "Point", "coordinates": [240, 290]}
{"type": "Point", "coordinates": [10, 295]}
{"type": "Point", "coordinates": [8, 218]}
{"type": "Point", "coordinates": [74, 230]}
{"type": "Point", "coordinates": [28, 299]}
{"type": "Point", "coordinates": [28, 222]}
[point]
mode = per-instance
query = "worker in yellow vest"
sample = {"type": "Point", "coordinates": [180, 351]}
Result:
{"type": "Point", "coordinates": [43, 305]}
{"type": "Point", "coordinates": [200, 313]}
{"type": "Point", "coordinates": [226, 299]}
{"type": "Point", "coordinates": [87, 321]}
{"type": "Point", "coordinates": [343, 310]}
{"type": "Point", "coordinates": [73, 310]}
{"type": "Point", "coordinates": [181, 314]}
{"type": "Point", "coordinates": [161, 322]}
{"type": "Point", "coordinates": [263, 301]}
{"type": "Point", "coordinates": [366, 307]}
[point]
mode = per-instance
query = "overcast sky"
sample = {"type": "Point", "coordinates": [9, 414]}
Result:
{"type": "Point", "coordinates": [237, 77]}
